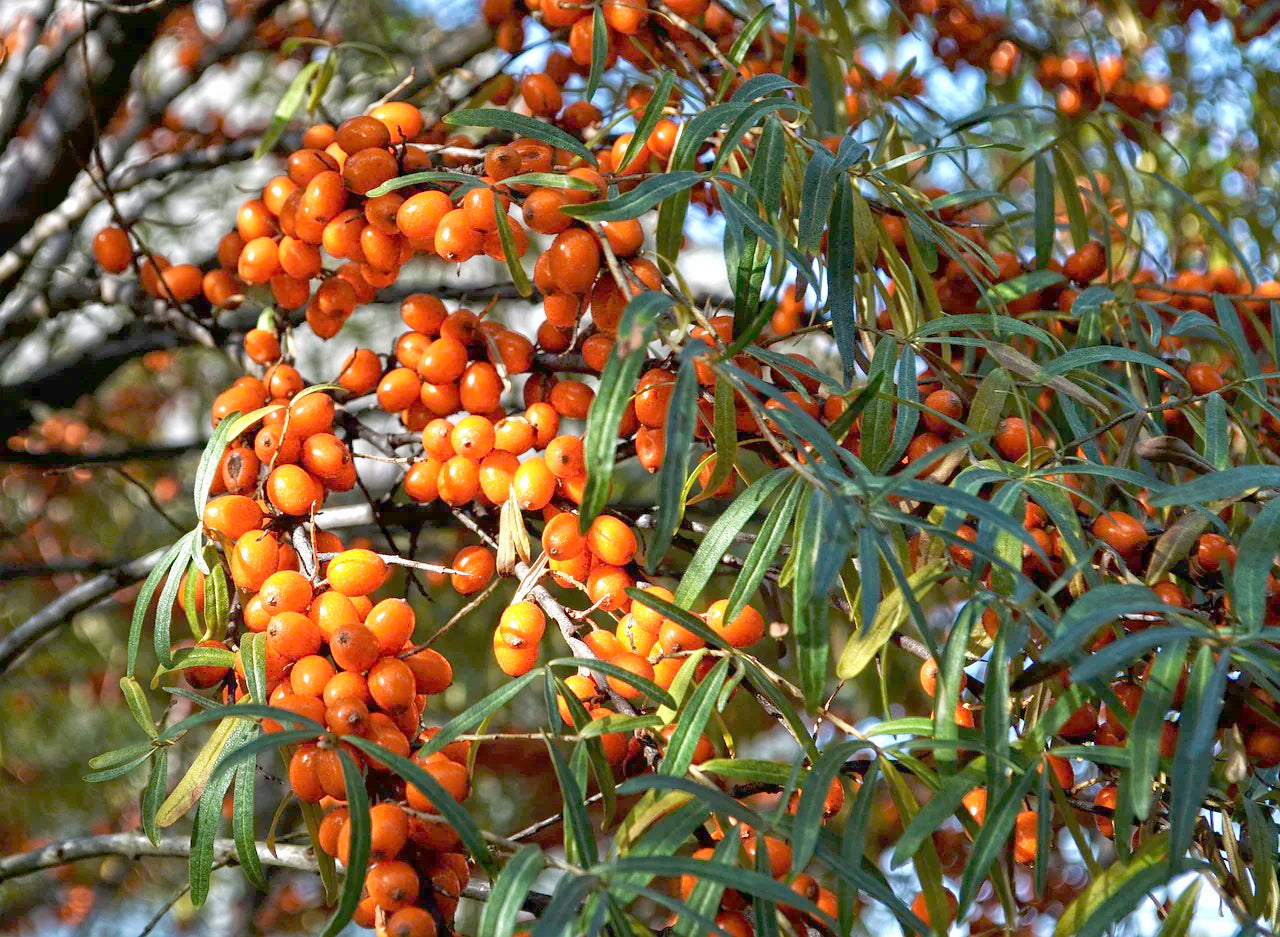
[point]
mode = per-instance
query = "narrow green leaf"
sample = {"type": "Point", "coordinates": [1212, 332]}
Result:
{"type": "Point", "coordinates": [520, 125]}
{"type": "Point", "coordinates": [681, 418]}
{"type": "Point", "coordinates": [579, 840]}
{"type": "Point", "coordinates": [1193, 758]}
{"type": "Point", "coordinates": [1178, 923]}
{"type": "Point", "coordinates": [599, 52]}
{"type": "Point", "coordinates": [143, 603]}
{"type": "Point", "coordinates": [153, 795]}
{"type": "Point", "coordinates": [891, 615]}
{"type": "Point", "coordinates": [842, 269]}
{"type": "Point", "coordinates": [764, 552]}
{"type": "Point", "coordinates": [693, 719]}
{"type": "Point", "coordinates": [1144, 736]}
{"type": "Point", "coordinates": [138, 705]}
{"type": "Point", "coordinates": [168, 596]}
{"type": "Point", "coordinates": [360, 832]}
{"type": "Point", "coordinates": [242, 824]}
{"type": "Point", "coordinates": [617, 385]}
{"type": "Point", "coordinates": [718, 539]}
{"type": "Point", "coordinates": [478, 712]}
{"type": "Point", "coordinates": [286, 108]}
{"type": "Point", "coordinates": [1257, 548]}
{"type": "Point", "coordinates": [515, 266]}
{"type": "Point", "coordinates": [209, 819]}
{"type": "Point", "coordinates": [448, 808]}
{"type": "Point", "coordinates": [1112, 895]}
{"type": "Point", "coordinates": [639, 200]}
{"type": "Point", "coordinates": [510, 889]}
{"type": "Point", "coordinates": [1044, 211]}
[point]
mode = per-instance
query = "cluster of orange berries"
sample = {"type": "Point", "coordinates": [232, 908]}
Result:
{"type": "Point", "coordinates": [347, 662]}
{"type": "Point", "coordinates": [963, 33]}
{"type": "Point", "coordinates": [1081, 85]}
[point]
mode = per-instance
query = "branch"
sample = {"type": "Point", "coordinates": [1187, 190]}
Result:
{"type": "Point", "coordinates": [61, 460]}
{"type": "Point", "coordinates": [136, 846]}
{"type": "Point", "coordinates": [75, 600]}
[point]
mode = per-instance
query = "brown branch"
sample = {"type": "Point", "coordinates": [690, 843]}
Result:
{"type": "Point", "coordinates": [137, 846]}
{"type": "Point", "coordinates": [75, 600]}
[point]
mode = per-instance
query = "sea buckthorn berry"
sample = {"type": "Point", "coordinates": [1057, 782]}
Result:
{"type": "Point", "coordinates": [743, 631]}
{"type": "Point", "coordinates": [653, 396]}
{"type": "Point", "coordinates": [542, 94]}
{"type": "Point", "coordinates": [402, 120]}
{"type": "Point", "coordinates": [480, 388]}
{"type": "Point", "coordinates": [259, 260]}
{"type": "Point", "coordinates": [392, 622]}
{"type": "Point", "coordinates": [607, 587]}
{"type": "Point", "coordinates": [561, 539]}
{"type": "Point", "coordinates": [1205, 378]}
{"type": "Point", "coordinates": [575, 260]}
{"type": "Point", "coordinates": [455, 240]}
{"type": "Point", "coordinates": [293, 636]}
{"type": "Point", "coordinates": [354, 647]}
{"type": "Point", "coordinates": [357, 572]}
{"type": "Point", "coordinates": [946, 404]}
{"type": "Point", "coordinates": [368, 169]}
{"type": "Point", "coordinates": [920, 908]}
{"type": "Point", "coordinates": [232, 516]}
{"type": "Point", "coordinates": [522, 625]}
{"type": "Point", "coordinates": [473, 437]}
{"type": "Point", "coordinates": [423, 313]}
{"type": "Point", "coordinates": [310, 674]}
{"type": "Point", "coordinates": [255, 557]}
{"type": "Point", "coordinates": [398, 389]}
{"type": "Point", "coordinates": [304, 165]}
{"type": "Point", "coordinates": [442, 361]}
{"type": "Point", "coordinates": [294, 491]}
{"type": "Point", "coordinates": [286, 591]}
{"type": "Point", "coordinates": [420, 216]}
{"type": "Point", "coordinates": [303, 778]}
{"type": "Point", "coordinates": [411, 922]}
{"type": "Point", "coordinates": [612, 540]}
{"type": "Point", "coordinates": [513, 661]}
{"type": "Point", "coordinates": [475, 567]}
{"type": "Point", "coordinates": [112, 250]}
{"type": "Point", "coordinates": [1025, 837]}
{"type": "Point", "coordinates": [346, 684]}
{"type": "Point", "coordinates": [542, 213]}
{"type": "Point", "coordinates": [545, 422]}
{"type": "Point", "coordinates": [1014, 439]}
{"type": "Point", "coordinates": [392, 885]}
{"type": "Point", "coordinates": [534, 484]}
{"type": "Point", "coordinates": [564, 457]}
{"type": "Point", "coordinates": [432, 672]}
{"type": "Point", "coordinates": [1122, 532]}
{"type": "Point", "coordinates": [497, 470]}
{"type": "Point", "coordinates": [459, 480]}
{"type": "Point", "coordinates": [391, 684]}
{"type": "Point", "coordinates": [1086, 264]}
{"type": "Point", "coordinates": [422, 481]}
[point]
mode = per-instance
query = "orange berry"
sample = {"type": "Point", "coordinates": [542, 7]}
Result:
{"type": "Point", "coordinates": [743, 631]}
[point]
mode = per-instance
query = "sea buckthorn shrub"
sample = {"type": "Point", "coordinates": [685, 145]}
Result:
{"type": "Point", "coordinates": [943, 534]}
